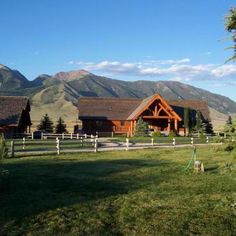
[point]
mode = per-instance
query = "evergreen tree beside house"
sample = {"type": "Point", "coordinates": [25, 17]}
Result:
{"type": "Point", "coordinates": [60, 127]}
{"type": "Point", "coordinates": [141, 128]}
{"type": "Point", "coordinates": [46, 124]}
{"type": "Point", "coordinates": [229, 127]}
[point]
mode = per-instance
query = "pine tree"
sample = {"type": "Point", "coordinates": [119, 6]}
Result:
{"type": "Point", "coordinates": [207, 127]}
{"type": "Point", "coordinates": [230, 26]}
{"type": "Point", "coordinates": [229, 126]}
{"type": "Point", "coordinates": [46, 124]}
{"type": "Point", "coordinates": [141, 128]}
{"type": "Point", "coordinates": [60, 127]}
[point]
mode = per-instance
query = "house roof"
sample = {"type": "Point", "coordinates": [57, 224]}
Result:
{"type": "Point", "coordinates": [106, 108]}
{"type": "Point", "coordinates": [197, 105]}
{"type": "Point", "coordinates": [147, 102]}
{"type": "Point", "coordinates": [11, 108]}
{"type": "Point", "coordinates": [128, 109]}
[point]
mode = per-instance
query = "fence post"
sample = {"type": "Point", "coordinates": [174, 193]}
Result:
{"type": "Point", "coordinates": [85, 136]}
{"type": "Point", "coordinates": [112, 134]}
{"type": "Point", "coordinates": [23, 143]}
{"type": "Point", "coordinates": [127, 144]}
{"type": "Point", "coordinates": [58, 145]}
{"type": "Point", "coordinates": [42, 136]}
{"type": "Point", "coordinates": [152, 141]}
{"type": "Point", "coordinates": [207, 139]}
{"type": "Point", "coordinates": [173, 142]}
{"type": "Point", "coordinates": [12, 149]}
{"type": "Point", "coordinates": [192, 140]}
{"type": "Point", "coordinates": [63, 136]}
{"type": "Point", "coordinates": [32, 135]}
{"type": "Point", "coordinates": [95, 145]}
{"type": "Point", "coordinates": [77, 135]}
{"type": "Point", "coordinates": [82, 142]}
{"type": "Point", "coordinates": [71, 136]}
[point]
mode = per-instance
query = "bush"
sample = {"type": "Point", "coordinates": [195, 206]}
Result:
{"type": "Point", "coordinates": [3, 147]}
{"type": "Point", "coordinates": [172, 134]}
{"type": "Point", "coordinates": [202, 136]}
{"type": "Point", "coordinates": [156, 134]}
{"type": "Point", "coordinates": [229, 148]}
{"type": "Point", "coordinates": [141, 128]}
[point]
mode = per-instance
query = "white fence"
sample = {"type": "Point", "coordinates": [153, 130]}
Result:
{"type": "Point", "coordinates": [59, 143]}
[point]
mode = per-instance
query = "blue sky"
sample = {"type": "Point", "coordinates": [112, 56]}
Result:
{"type": "Point", "coordinates": [124, 39]}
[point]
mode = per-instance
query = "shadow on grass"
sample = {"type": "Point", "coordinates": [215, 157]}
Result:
{"type": "Point", "coordinates": [41, 185]}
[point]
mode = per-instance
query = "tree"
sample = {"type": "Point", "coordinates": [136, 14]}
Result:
{"type": "Point", "coordinates": [229, 126]}
{"type": "Point", "coordinates": [141, 128]}
{"type": "Point", "coordinates": [46, 124]}
{"type": "Point", "coordinates": [230, 26]}
{"type": "Point", "coordinates": [60, 127]}
{"type": "Point", "coordinates": [207, 127]}
{"type": "Point", "coordinates": [187, 120]}
{"type": "Point", "coordinates": [198, 125]}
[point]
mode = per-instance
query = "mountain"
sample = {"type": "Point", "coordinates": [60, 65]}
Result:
{"type": "Point", "coordinates": [11, 80]}
{"type": "Point", "coordinates": [58, 95]}
{"type": "Point", "coordinates": [92, 85]}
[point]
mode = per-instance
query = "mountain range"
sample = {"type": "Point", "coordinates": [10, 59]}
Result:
{"type": "Point", "coordinates": [57, 95]}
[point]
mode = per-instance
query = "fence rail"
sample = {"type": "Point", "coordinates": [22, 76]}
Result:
{"type": "Point", "coordinates": [54, 143]}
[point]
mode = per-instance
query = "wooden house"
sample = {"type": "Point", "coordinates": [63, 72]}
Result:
{"type": "Point", "coordinates": [14, 115]}
{"type": "Point", "coordinates": [120, 115]}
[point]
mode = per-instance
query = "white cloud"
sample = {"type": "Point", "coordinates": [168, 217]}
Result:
{"type": "Point", "coordinates": [224, 71]}
{"type": "Point", "coordinates": [181, 70]}
{"type": "Point", "coordinates": [208, 53]}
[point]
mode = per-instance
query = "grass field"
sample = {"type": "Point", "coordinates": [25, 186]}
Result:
{"type": "Point", "coordinates": [144, 192]}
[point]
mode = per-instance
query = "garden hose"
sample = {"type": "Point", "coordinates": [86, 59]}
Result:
{"type": "Point", "coordinates": [194, 155]}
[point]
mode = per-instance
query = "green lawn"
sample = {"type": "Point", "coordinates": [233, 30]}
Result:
{"type": "Point", "coordinates": [144, 192]}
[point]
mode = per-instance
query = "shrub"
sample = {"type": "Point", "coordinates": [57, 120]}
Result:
{"type": "Point", "coordinates": [3, 147]}
{"type": "Point", "coordinates": [172, 134]}
{"type": "Point", "coordinates": [141, 128]}
{"type": "Point", "coordinates": [229, 148]}
{"type": "Point", "coordinates": [202, 136]}
{"type": "Point", "coordinates": [156, 134]}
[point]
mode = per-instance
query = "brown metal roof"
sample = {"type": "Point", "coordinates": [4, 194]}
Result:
{"type": "Point", "coordinates": [106, 108]}
{"type": "Point", "coordinates": [196, 105]}
{"type": "Point", "coordinates": [11, 108]}
{"type": "Point", "coordinates": [126, 109]}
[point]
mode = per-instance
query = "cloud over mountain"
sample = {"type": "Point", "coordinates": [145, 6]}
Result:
{"type": "Point", "coordinates": [181, 70]}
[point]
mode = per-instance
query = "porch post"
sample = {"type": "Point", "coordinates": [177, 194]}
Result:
{"type": "Point", "coordinates": [131, 128]}
{"type": "Point", "coordinates": [168, 127]}
{"type": "Point", "coordinates": [134, 125]}
{"type": "Point", "coordinates": [176, 125]}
